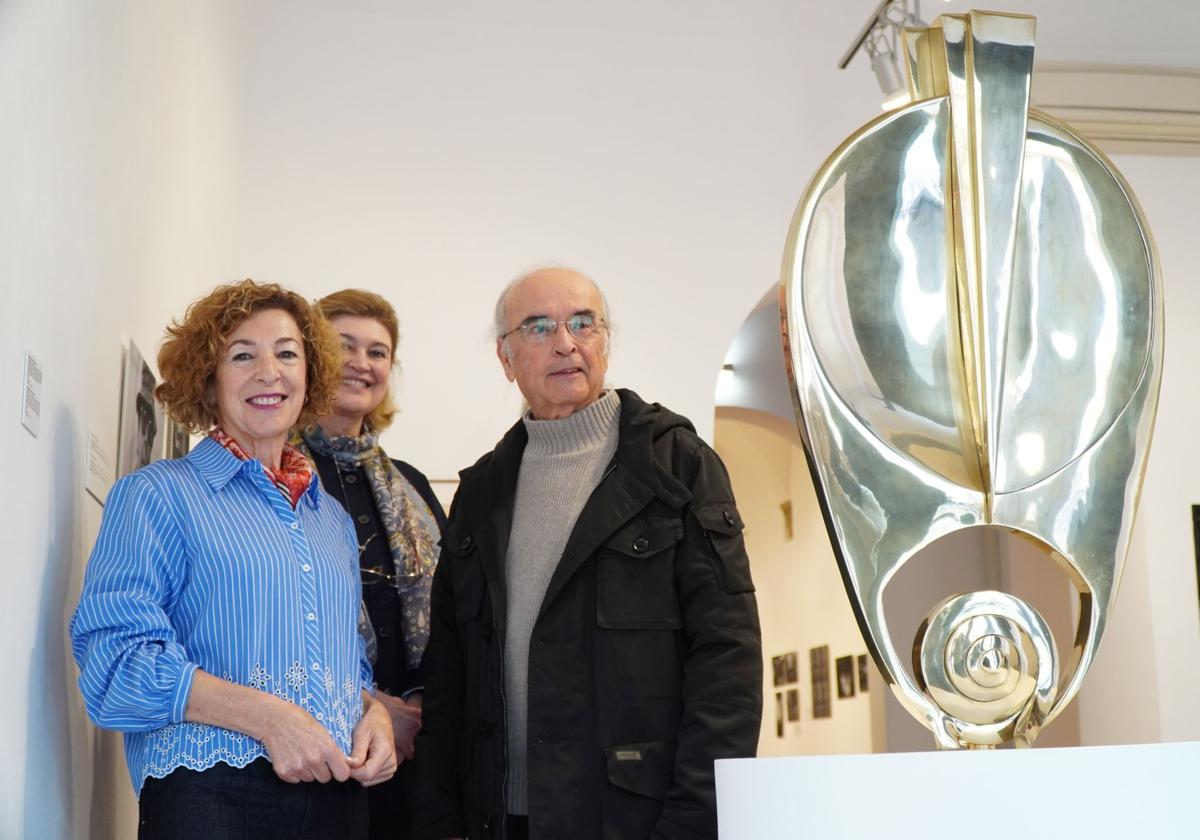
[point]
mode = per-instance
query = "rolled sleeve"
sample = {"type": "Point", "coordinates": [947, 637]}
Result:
{"type": "Point", "coordinates": [134, 673]}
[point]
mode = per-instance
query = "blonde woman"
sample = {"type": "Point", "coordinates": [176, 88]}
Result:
{"type": "Point", "coordinates": [398, 523]}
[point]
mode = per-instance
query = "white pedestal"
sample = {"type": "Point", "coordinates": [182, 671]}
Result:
{"type": "Point", "coordinates": [1141, 791]}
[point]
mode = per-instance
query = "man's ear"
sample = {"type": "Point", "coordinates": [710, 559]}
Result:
{"type": "Point", "coordinates": [505, 357]}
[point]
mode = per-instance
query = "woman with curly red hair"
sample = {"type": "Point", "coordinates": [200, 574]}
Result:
{"type": "Point", "coordinates": [217, 627]}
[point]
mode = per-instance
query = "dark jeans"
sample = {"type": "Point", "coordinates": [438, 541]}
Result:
{"type": "Point", "coordinates": [251, 803]}
{"type": "Point", "coordinates": [391, 805]}
{"type": "Point", "coordinates": [517, 828]}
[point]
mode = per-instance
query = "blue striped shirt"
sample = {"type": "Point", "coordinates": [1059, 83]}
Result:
{"type": "Point", "coordinates": [201, 563]}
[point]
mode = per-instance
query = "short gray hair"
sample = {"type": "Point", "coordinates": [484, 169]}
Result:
{"type": "Point", "coordinates": [500, 313]}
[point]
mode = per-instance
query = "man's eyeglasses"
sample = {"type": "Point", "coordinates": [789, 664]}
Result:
{"type": "Point", "coordinates": [582, 327]}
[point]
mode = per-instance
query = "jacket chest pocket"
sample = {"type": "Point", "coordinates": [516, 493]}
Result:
{"type": "Point", "coordinates": [635, 576]}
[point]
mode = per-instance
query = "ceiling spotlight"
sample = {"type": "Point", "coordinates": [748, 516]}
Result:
{"type": "Point", "coordinates": [880, 39]}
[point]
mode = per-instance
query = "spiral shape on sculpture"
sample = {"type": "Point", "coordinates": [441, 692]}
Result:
{"type": "Point", "coordinates": [987, 659]}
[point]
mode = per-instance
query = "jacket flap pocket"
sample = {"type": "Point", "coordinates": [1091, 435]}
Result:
{"type": "Point", "coordinates": [635, 576]}
{"type": "Point", "coordinates": [723, 526]}
{"type": "Point", "coordinates": [723, 518]}
{"type": "Point", "coordinates": [646, 536]}
{"type": "Point", "coordinates": [645, 768]}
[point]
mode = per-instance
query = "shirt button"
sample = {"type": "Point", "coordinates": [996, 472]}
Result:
{"type": "Point", "coordinates": [363, 519]}
{"type": "Point", "coordinates": [728, 518]}
{"type": "Point", "coordinates": [312, 616]}
{"type": "Point", "coordinates": [306, 568]}
{"type": "Point", "coordinates": [295, 526]}
{"type": "Point", "coordinates": [640, 544]}
{"type": "Point", "coordinates": [316, 666]}
{"type": "Point", "coordinates": [466, 543]}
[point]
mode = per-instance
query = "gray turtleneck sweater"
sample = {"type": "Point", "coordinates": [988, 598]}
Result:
{"type": "Point", "coordinates": [563, 463]}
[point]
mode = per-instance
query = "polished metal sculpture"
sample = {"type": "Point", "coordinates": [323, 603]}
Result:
{"type": "Point", "coordinates": [972, 320]}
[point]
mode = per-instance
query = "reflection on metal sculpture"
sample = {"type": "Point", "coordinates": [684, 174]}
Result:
{"type": "Point", "coordinates": [972, 319]}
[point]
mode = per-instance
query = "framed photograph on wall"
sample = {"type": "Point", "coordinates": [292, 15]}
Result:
{"type": "Point", "coordinates": [141, 424]}
{"type": "Point", "coordinates": [178, 441]}
{"type": "Point", "coordinates": [862, 673]}
{"type": "Point", "coordinates": [793, 704]}
{"type": "Point", "coordinates": [778, 714]}
{"type": "Point", "coordinates": [845, 677]}
{"type": "Point", "coordinates": [791, 666]}
{"type": "Point", "coordinates": [778, 670]}
{"type": "Point", "coordinates": [818, 660]}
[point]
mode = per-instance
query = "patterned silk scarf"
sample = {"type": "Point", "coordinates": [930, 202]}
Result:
{"type": "Point", "coordinates": [294, 473]}
{"type": "Point", "coordinates": [412, 530]}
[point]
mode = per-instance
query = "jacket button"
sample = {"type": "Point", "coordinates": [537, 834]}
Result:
{"type": "Point", "coordinates": [729, 518]}
{"type": "Point", "coordinates": [484, 728]}
{"type": "Point", "coordinates": [640, 544]}
{"type": "Point", "coordinates": [465, 544]}
{"type": "Point", "coordinates": [489, 825]}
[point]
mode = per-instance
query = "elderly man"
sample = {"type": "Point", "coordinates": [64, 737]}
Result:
{"type": "Point", "coordinates": [595, 642]}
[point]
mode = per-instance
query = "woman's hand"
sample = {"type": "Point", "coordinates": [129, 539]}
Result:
{"type": "Point", "coordinates": [406, 722]}
{"type": "Point", "coordinates": [373, 750]}
{"type": "Point", "coordinates": [300, 749]}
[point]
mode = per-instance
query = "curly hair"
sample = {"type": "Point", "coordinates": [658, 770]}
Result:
{"type": "Point", "coordinates": [192, 349]}
{"type": "Point", "coordinates": [360, 303]}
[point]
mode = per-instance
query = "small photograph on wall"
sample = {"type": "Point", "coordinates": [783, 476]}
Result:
{"type": "Point", "coordinates": [862, 673]}
{"type": "Point", "coordinates": [793, 704]}
{"type": "Point", "coordinates": [818, 660]}
{"type": "Point", "coordinates": [791, 667]}
{"type": "Point", "coordinates": [778, 714]}
{"type": "Point", "coordinates": [178, 440]}
{"type": "Point", "coordinates": [778, 669]}
{"type": "Point", "coordinates": [845, 677]}
{"type": "Point", "coordinates": [141, 426]}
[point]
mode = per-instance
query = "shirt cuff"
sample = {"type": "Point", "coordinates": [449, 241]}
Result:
{"type": "Point", "coordinates": [183, 688]}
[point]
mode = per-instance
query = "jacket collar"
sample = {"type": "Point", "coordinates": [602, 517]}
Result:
{"type": "Point", "coordinates": [638, 425]}
{"type": "Point", "coordinates": [218, 466]}
{"type": "Point", "coordinates": [632, 480]}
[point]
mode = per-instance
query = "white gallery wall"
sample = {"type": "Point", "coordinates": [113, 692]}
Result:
{"type": "Point", "coordinates": [429, 151]}
{"type": "Point", "coordinates": [116, 159]}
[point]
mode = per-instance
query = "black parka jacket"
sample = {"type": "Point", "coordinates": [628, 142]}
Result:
{"type": "Point", "coordinates": [644, 662]}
